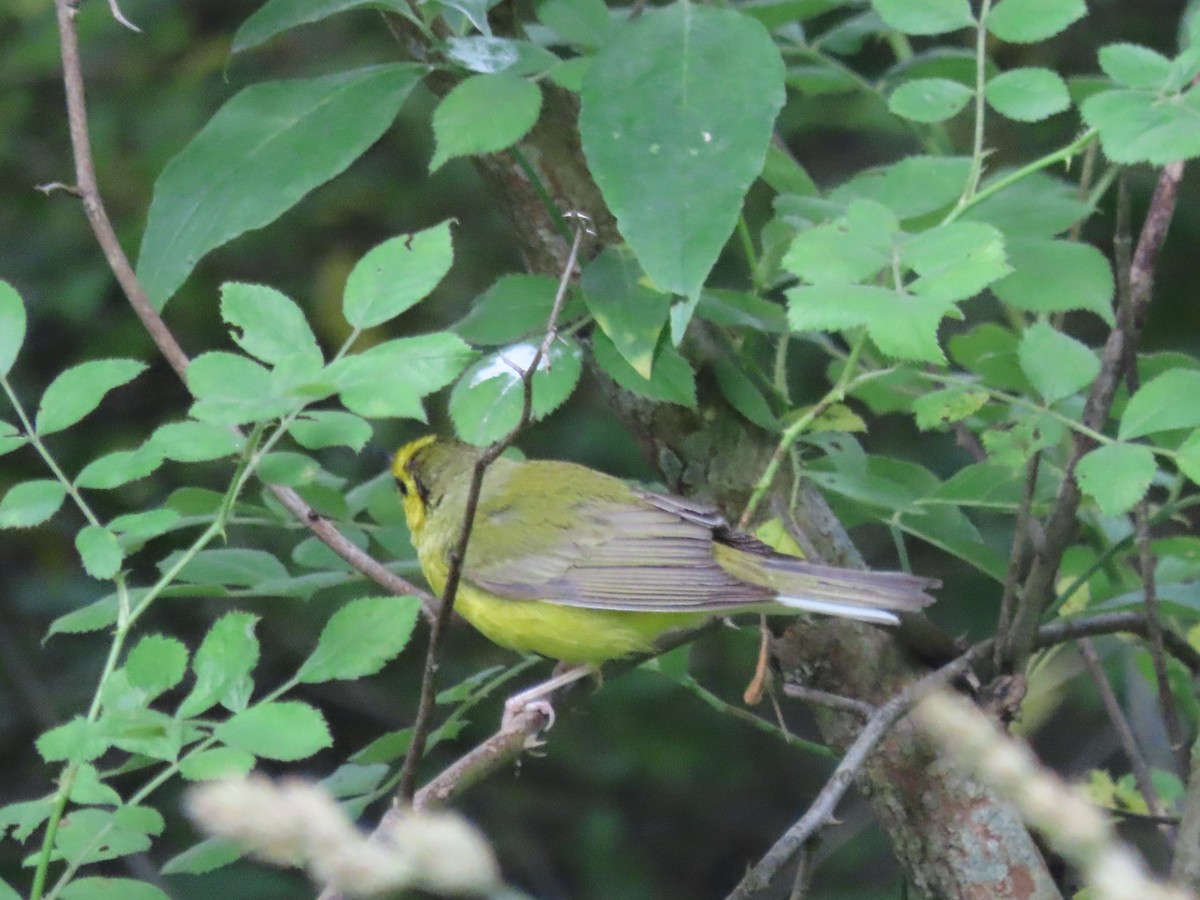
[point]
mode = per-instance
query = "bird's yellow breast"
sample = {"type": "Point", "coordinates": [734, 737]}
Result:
{"type": "Point", "coordinates": [569, 633]}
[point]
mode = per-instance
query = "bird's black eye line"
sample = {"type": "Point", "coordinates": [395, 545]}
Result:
{"type": "Point", "coordinates": [400, 483]}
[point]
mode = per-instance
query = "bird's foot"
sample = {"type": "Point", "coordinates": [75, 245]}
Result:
{"type": "Point", "coordinates": [534, 699]}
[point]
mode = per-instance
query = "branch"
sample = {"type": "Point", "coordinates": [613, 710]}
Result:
{"type": "Point", "coordinates": [88, 191]}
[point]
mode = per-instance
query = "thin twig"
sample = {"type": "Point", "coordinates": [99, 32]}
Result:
{"type": "Point", "coordinates": [88, 190]}
{"type": "Point", "coordinates": [1120, 724]}
{"type": "Point", "coordinates": [424, 718]}
{"type": "Point", "coordinates": [832, 701]}
{"type": "Point", "coordinates": [1016, 561]}
{"type": "Point", "coordinates": [1154, 636]}
{"type": "Point", "coordinates": [1061, 524]}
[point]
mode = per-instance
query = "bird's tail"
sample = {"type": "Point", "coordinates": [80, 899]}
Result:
{"type": "Point", "coordinates": [848, 593]}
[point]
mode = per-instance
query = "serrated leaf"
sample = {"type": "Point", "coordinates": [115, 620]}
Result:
{"type": "Point", "coordinates": [1035, 206]}
{"type": "Point", "coordinates": [484, 114]}
{"type": "Point", "coordinates": [1056, 363]}
{"type": "Point", "coordinates": [79, 390]}
{"type": "Point", "coordinates": [206, 856]}
{"type": "Point", "coordinates": [390, 379]}
{"type": "Point", "coordinates": [93, 617]}
{"type": "Point", "coordinates": [947, 406]}
{"type": "Point", "coordinates": [1187, 457]}
{"type": "Point", "coordinates": [901, 326]}
{"type": "Point", "coordinates": [360, 638]}
{"type": "Point", "coordinates": [76, 741]}
{"type": "Point", "coordinates": [675, 166]}
{"type": "Point", "coordinates": [289, 468]}
{"type": "Point", "coordinates": [318, 429]}
{"type": "Point", "coordinates": [1116, 476]}
{"type": "Point", "coordinates": [101, 888]}
{"type": "Point", "coordinates": [1163, 403]}
{"type": "Point", "coordinates": [487, 401]}
{"type": "Point", "coordinates": [631, 313]}
{"type": "Point", "coordinates": [219, 762]}
{"type": "Point", "coordinates": [277, 16]}
{"type": "Point", "coordinates": [286, 730]}
{"type": "Point", "coordinates": [955, 261]}
{"type": "Point", "coordinates": [258, 155]}
{"type": "Point", "coordinates": [195, 441]}
{"type": "Point", "coordinates": [395, 275]}
{"type": "Point", "coordinates": [673, 379]}
{"type": "Point", "coordinates": [843, 252]}
{"type": "Point", "coordinates": [10, 438]}
{"type": "Point", "coordinates": [268, 324]}
{"type": "Point", "coordinates": [1027, 21]}
{"type": "Point", "coordinates": [1057, 276]}
{"type": "Point", "coordinates": [240, 567]}
{"type": "Point", "coordinates": [31, 503]}
{"type": "Point", "coordinates": [911, 187]}
{"type": "Point", "coordinates": [1140, 126]}
{"type": "Point", "coordinates": [94, 835]}
{"type": "Point", "coordinates": [119, 467]}
{"type": "Point", "coordinates": [156, 664]}
{"type": "Point", "coordinates": [925, 16]}
{"type": "Point", "coordinates": [930, 99]}
{"type": "Point", "coordinates": [144, 525]}
{"type": "Point", "coordinates": [990, 351]}
{"type": "Point", "coordinates": [1134, 66]}
{"type": "Point", "coordinates": [233, 390]}
{"type": "Point", "coordinates": [100, 551]}
{"type": "Point", "coordinates": [1027, 94]}
{"type": "Point", "coordinates": [513, 308]}
{"type": "Point", "coordinates": [12, 326]}
{"type": "Point", "coordinates": [222, 663]}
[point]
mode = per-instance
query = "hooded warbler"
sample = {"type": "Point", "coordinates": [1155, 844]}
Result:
{"type": "Point", "coordinates": [579, 566]}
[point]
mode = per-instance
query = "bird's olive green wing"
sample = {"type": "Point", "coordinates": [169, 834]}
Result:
{"type": "Point", "coordinates": [598, 543]}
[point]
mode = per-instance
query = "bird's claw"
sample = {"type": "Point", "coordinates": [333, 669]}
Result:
{"type": "Point", "coordinates": [517, 706]}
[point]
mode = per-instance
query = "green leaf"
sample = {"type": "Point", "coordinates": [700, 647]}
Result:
{"type": "Point", "coordinates": [902, 326]}
{"type": "Point", "coordinates": [912, 187]}
{"type": "Point", "coordinates": [286, 730]}
{"type": "Point", "coordinates": [925, 16]}
{"type": "Point", "coordinates": [288, 468]}
{"type": "Point", "coordinates": [222, 665]}
{"type": "Point", "coordinates": [631, 313]}
{"type": "Point", "coordinates": [79, 390]}
{"type": "Point", "coordinates": [675, 166]}
{"type": "Point", "coordinates": [983, 485]}
{"type": "Point", "coordinates": [1056, 363]}
{"type": "Point", "coordinates": [126, 830]}
{"type": "Point", "coordinates": [1140, 126]}
{"type": "Point", "coordinates": [483, 54]}
{"type": "Point", "coordinates": [277, 16]}
{"type": "Point", "coordinates": [1163, 403]}
{"type": "Point", "coordinates": [1027, 21]}
{"type": "Point", "coordinates": [31, 503]}
{"type": "Point", "coordinates": [734, 309]}
{"type": "Point", "coordinates": [258, 155]}
{"type": "Point", "coordinates": [138, 527]}
{"type": "Point", "coordinates": [100, 888]}
{"type": "Point", "coordinates": [119, 467]}
{"type": "Point", "coordinates": [930, 99]}
{"type": "Point", "coordinates": [12, 326]}
{"type": "Point", "coordinates": [954, 261]}
{"type": "Point", "coordinates": [93, 617]}
{"type": "Point", "coordinates": [76, 741]}
{"type": "Point", "coordinates": [10, 438]}
{"type": "Point", "coordinates": [672, 381]}
{"type": "Point", "coordinates": [233, 390]}
{"type": "Point", "coordinates": [360, 638]}
{"type": "Point", "coordinates": [583, 23]}
{"type": "Point", "coordinates": [487, 402]}
{"type": "Point", "coordinates": [743, 395]}
{"type": "Point", "coordinates": [100, 551]}
{"type": "Point", "coordinates": [206, 856]}
{"type": "Point", "coordinates": [1036, 206]}
{"type": "Point", "coordinates": [195, 441]}
{"type": "Point", "coordinates": [240, 567]}
{"type": "Point", "coordinates": [1028, 94]}
{"type": "Point", "coordinates": [318, 429]}
{"type": "Point", "coordinates": [393, 276]}
{"type": "Point", "coordinates": [513, 308]}
{"type": "Point", "coordinates": [89, 790]}
{"type": "Point", "coordinates": [219, 762]}
{"type": "Point", "coordinates": [1116, 476]}
{"type": "Point", "coordinates": [390, 379]}
{"type": "Point", "coordinates": [272, 327]}
{"type": "Point", "coordinates": [947, 406]}
{"type": "Point", "coordinates": [156, 664]}
{"type": "Point", "coordinates": [1057, 276]}
{"type": "Point", "coordinates": [484, 114]}
{"type": "Point", "coordinates": [848, 251]}
{"type": "Point", "coordinates": [990, 351]}
{"type": "Point", "coordinates": [24, 818]}
{"type": "Point", "coordinates": [1134, 66]}
{"type": "Point", "coordinates": [1187, 457]}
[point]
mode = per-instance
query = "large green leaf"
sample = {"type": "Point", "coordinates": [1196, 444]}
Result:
{"type": "Point", "coordinates": [675, 165]}
{"type": "Point", "coordinates": [12, 326]}
{"type": "Point", "coordinates": [262, 151]}
{"type": "Point", "coordinates": [277, 16]}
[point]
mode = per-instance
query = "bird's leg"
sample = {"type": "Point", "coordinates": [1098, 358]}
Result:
{"type": "Point", "coordinates": [536, 696]}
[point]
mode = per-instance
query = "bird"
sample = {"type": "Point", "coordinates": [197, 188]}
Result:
{"type": "Point", "coordinates": [582, 567]}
